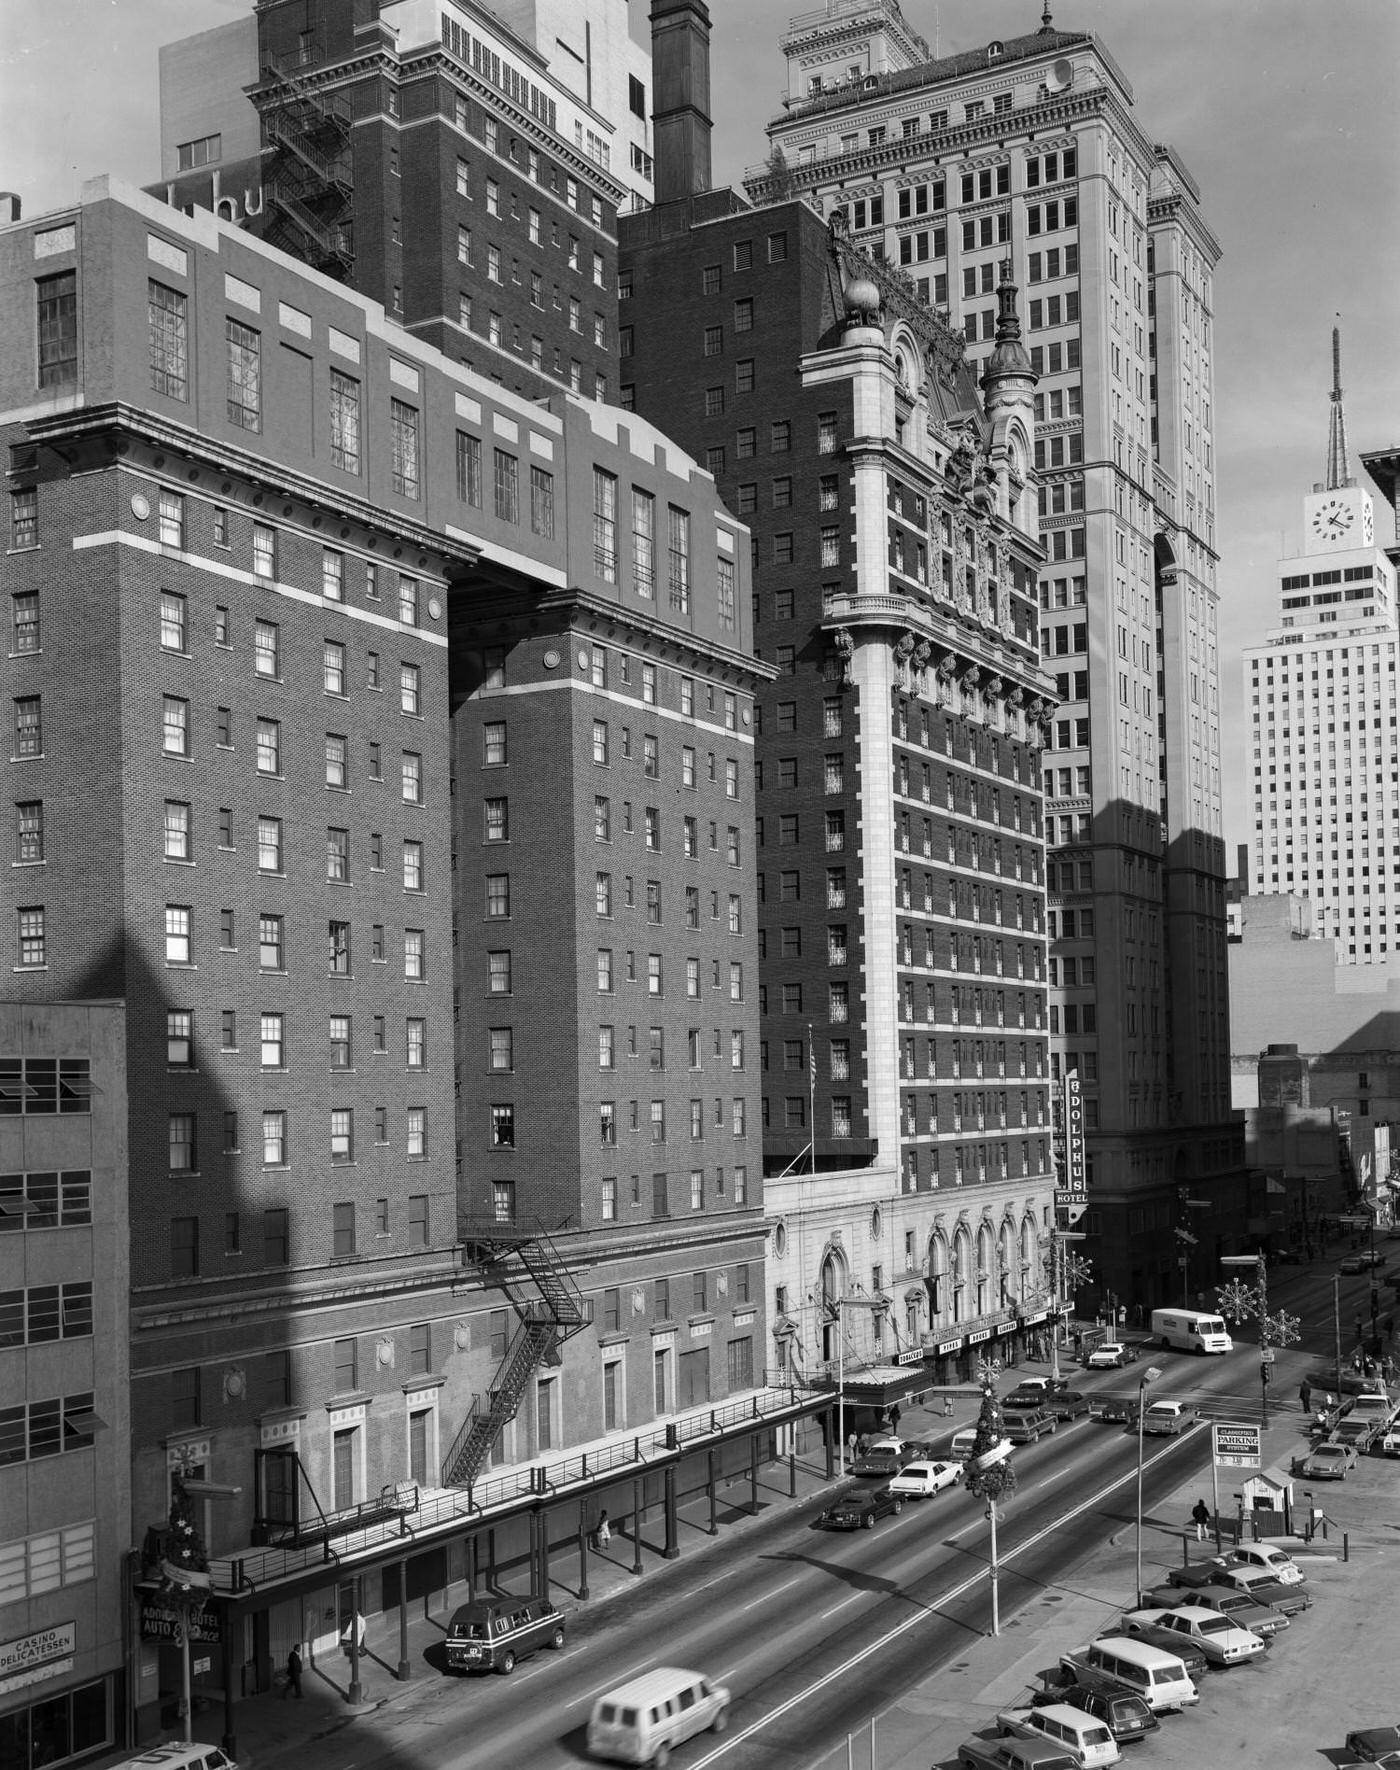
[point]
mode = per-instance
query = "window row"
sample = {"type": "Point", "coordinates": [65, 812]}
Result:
{"type": "Point", "coordinates": [603, 757]}
{"type": "Point", "coordinates": [729, 1120]}
{"type": "Point", "coordinates": [46, 1312]}
{"type": "Point", "coordinates": [611, 972]}
{"type": "Point", "coordinates": [47, 1428]}
{"type": "Point", "coordinates": [272, 956]}
{"type": "Point", "coordinates": [184, 1143]}
{"type": "Point", "coordinates": [605, 665]}
{"type": "Point", "coordinates": [181, 1051]}
{"type": "Point", "coordinates": [45, 1200]}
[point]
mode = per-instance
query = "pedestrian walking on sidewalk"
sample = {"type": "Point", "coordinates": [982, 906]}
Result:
{"type": "Point", "coordinates": [894, 1420]}
{"type": "Point", "coordinates": [293, 1685]}
{"type": "Point", "coordinates": [1200, 1517]}
{"type": "Point", "coordinates": [1305, 1396]}
{"type": "Point", "coordinates": [602, 1536]}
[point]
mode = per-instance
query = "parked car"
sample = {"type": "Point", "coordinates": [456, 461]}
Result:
{"type": "Point", "coordinates": [1357, 1431]}
{"type": "Point", "coordinates": [1388, 1444]}
{"type": "Point", "coordinates": [1012, 1754]}
{"type": "Point", "coordinates": [1363, 1261]}
{"type": "Point", "coordinates": [1377, 1407]}
{"type": "Point", "coordinates": [1179, 1646]}
{"type": "Point", "coordinates": [1223, 1642]}
{"type": "Point", "coordinates": [1166, 1418]}
{"type": "Point", "coordinates": [916, 1481]}
{"type": "Point", "coordinates": [1114, 1410]}
{"type": "Point", "coordinates": [964, 1440]}
{"type": "Point", "coordinates": [1084, 1737]}
{"type": "Point", "coordinates": [1326, 1462]}
{"type": "Point", "coordinates": [1111, 1355]}
{"type": "Point", "coordinates": [1265, 1589]}
{"type": "Point", "coordinates": [492, 1634]}
{"type": "Point", "coordinates": [1042, 1385]}
{"type": "Point", "coordinates": [1026, 1395]}
{"type": "Point", "coordinates": [1027, 1425]}
{"type": "Point", "coordinates": [1371, 1744]}
{"type": "Point", "coordinates": [1126, 1716]}
{"type": "Point", "coordinates": [859, 1509]}
{"type": "Point", "coordinates": [885, 1457]}
{"type": "Point", "coordinates": [1271, 1559]}
{"type": "Point", "coordinates": [1260, 1619]}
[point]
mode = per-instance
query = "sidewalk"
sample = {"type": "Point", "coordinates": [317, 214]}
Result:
{"type": "Point", "coordinates": [273, 1727]}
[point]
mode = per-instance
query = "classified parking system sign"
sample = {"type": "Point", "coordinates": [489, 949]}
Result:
{"type": "Point", "coordinates": [1235, 1447]}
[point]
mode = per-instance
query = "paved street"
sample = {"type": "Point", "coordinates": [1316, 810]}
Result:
{"type": "Point", "coordinates": [819, 1636]}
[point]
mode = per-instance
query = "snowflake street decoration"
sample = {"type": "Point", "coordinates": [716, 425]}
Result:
{"type": "Point", "coordinates": [1282, 1329]}
{"type": "Point", "coordinates": [1075, 1272]}
{"type": "Point", "coordinates": [988, 1370]}
{"type": "Point", "coordinates": [1238, 1300]}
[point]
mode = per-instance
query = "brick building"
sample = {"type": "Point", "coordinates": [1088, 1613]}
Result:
{"type": "Point", "coordinates": [463, 166]}
{"type": "Point", "coordinates": [418, 699]}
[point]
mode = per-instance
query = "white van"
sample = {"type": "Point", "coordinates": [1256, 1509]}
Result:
{"type": "Point", "coordinates": [638, 1723]}
{"type": "Point", "coordinates": [1189, 1331]}
{"type": "Point", "coordinates": [175, 1754]}
{"type": "Point", "coordinates": [1155, 1675]}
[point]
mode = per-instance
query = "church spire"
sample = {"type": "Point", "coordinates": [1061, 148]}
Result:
{"type": "Point", "coordinates": [1338, 468]}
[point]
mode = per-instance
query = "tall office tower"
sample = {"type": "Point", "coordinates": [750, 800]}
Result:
{"type": "Point", "coordinates": [381, 741]}
{"type": "Point", "coordinates": [461, 165]}
{"type": "Point", "coordinates": [1030, 149]}
{"type": "Point", "coordinates": [900, 743]}
{"type": "Point", "coordinates": [1321, 692]}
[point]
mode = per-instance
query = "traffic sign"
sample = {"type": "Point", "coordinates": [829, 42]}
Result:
{"type": "Point", "coordinates": [1266, 1355]}
{"type": "Point", "coordinates": [1236, 1446]}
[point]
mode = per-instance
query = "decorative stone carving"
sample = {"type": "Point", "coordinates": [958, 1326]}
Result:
{"type": "Point", "coordinates": [846, 650]}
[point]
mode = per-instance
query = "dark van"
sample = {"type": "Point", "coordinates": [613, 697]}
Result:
{"type": "Point", "coordinates": [493, 1633]}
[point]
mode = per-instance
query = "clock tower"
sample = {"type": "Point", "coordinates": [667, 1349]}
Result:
{"type": "Point", "coordinates": [1338, 514]}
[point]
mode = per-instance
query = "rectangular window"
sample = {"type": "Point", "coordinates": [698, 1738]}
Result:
{"type": "Point", "coordinates": [413, 866]}
{"type": "Point", "coordinates": [29, 726]}
{"type": "Point", "coordinates": [171, 520]}
{"type": "Point", "coordinates": [605, 525]}
{"type": "Point", "coordinates": [29, 817]}
{"type": "Point", "coordinates": [337, 760]}
{"type": "Point", "coordinates": [57, 313]}
{"type": "Point", "coordinates": [269, 844]}
{"type": "Point", "coordinates": [343, 1134]}
{"type": "Point", "coordinates": [174, 726]}
{"type": "Point", "coordinates": [412, 778]}
{"type": "Point", "coordinates": [469, 469]}
{"type": "Point", "coordinates": [177, 830]}
{"type": "Point", "coordinates": [643, 542]}
{"type": "Point", "coordinates": [342, 1054]}
{"type": "Point", "coordinates": [507, 486]}
{"type": "Point", "coordinates": [403, 440]}
{"type": "Point", "coordinates": [272, 1044]}
{"type": "Point", "coordinates": [24, 518]}
{"type": "Point", "coordinates": [177, 933]}
{"type": "Point", "coordinates": [270, 943]}
{"type": "Point", "coordinates": [167, 322]}
{"type": "Point", "coordinates": [244, 381]}
{"type": "Point", "coordinates": [541, 503]}
{"type": "Point", "coordinates": [678, 559]}
{"type": "Point", "coordinates": [339, 937]}
{"type": "Point", "coordinates": [345, 422]}
{"type": "Point", "coordinates": [264, 551]}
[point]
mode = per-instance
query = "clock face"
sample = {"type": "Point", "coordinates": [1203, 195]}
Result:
{"type": "Point", "coordinates": [1333, 519]}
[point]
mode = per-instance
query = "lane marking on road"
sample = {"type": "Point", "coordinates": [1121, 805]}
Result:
{"type": "Point", "coordinates": [615, 1679]}
{"type": "Point", "coordinates": [844, 1602]}
{"type": "Point", "coordinates": [767, 1597]}
{"type": "Point", "coordinates": [926, 1611]}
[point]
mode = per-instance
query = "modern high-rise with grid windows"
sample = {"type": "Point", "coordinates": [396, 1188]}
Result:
{"type": "Point", "coordinates": [1031, 149]}
{"type": "Point", "coordinates": [1321, 692]}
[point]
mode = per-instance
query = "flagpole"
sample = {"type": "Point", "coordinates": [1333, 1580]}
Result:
{"type": "Point", "coordinates": [812, 1093]}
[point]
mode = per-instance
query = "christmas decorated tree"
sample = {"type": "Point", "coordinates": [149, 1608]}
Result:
{"type": "Point", "coordinates": [185, 1565]}
{"type": "Point", "coordinates": [996, 1479]}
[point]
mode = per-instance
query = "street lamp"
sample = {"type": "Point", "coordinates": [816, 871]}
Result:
{"type": "Point", "coordinates": [1150, 1375]}
{"type": "Point", "coordinates": [989, 1473]}
{"type": "Point", "coordinates": [1239, 1301]}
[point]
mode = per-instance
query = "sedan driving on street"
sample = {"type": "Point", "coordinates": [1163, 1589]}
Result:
{"type": "Point", "coordinates": [886, 1457]}
{"type": "Point", "coordinates": [1167, 1418]}
{"type": "Point", "coordinates": [917, 1481]}
{"type": "Point", "coordinates": [1111, 1355]}
{"type": "Point", "coordinates": [859, 1509]}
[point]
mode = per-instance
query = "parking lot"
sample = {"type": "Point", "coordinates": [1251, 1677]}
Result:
{"type": "Point", "coordinates": [1330, 1671]}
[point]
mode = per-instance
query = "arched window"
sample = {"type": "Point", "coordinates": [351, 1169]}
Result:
{"type": "Point", "coordinates": [962, 1259]}
{"type": "Point", "coordinates": [985, 1267]}
{"type": "Point", "coordinates": [1030, 1281]}
{"type": "Point", "coordinates": [1009, 1279]}
{"type": "Point", "coordinates": [833, 1284]}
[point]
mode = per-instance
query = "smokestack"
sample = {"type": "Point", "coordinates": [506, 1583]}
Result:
{"type": "Point", "coordinates": [9, 207]}
{"type": "Point", "coordinates": [680, 79]}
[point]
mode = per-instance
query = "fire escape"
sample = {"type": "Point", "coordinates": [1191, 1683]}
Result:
{"type": "Point", "coordinates": [307, 186]}
{"type": "Point", "coordinates": [526, 1266]}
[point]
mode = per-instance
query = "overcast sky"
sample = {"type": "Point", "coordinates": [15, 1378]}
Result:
{"type": "Point", "coordinates": [1284, 111]}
